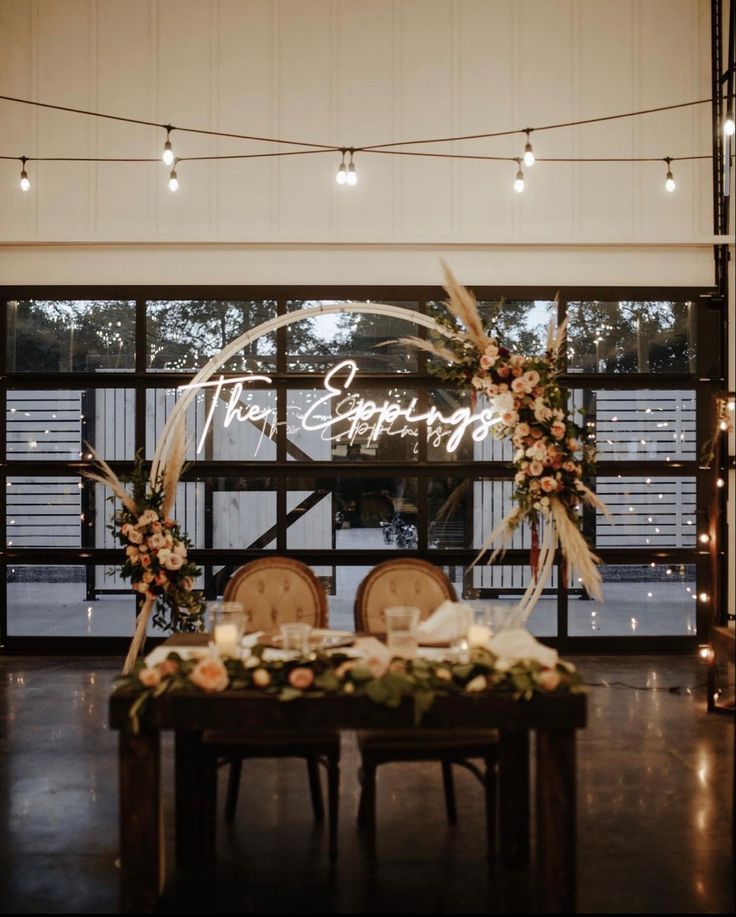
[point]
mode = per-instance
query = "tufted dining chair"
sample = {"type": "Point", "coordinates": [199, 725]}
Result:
{"type": "Point", "coordinates": [410, 581]}
{"type": "Point", "coordinates": [275, 591]}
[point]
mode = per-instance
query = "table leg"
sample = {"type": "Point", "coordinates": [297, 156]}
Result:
{"type": "Point", "coordinates": [196, 801]}
{"type": "Point", "coordinates": [556, 820]}
{"type": "Point", "coordinates": [514, 807]}
{"type": "Point", "coordinates": [141, 838]}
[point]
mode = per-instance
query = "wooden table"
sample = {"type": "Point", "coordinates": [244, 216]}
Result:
{"type": "Point", "coordinates": [554, 718]}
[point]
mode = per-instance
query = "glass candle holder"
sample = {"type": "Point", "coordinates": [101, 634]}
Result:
{"type": "Point", "coordinates": [401, 624]}
{"type": "Point", "coordinates": [295, 637]}
{"type": "Point", "coordinates": [228, 621]}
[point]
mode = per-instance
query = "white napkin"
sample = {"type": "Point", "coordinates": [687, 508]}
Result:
{"type": "Point", "coordinates": [512, 646]}
{"type": "Point", "coordinates": [448, 622]}
{"type": "Point", "coordinates": [161, 653]}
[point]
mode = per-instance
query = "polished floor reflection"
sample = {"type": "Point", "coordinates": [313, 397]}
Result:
{"type": "Point", "coordinates": [653, 827]}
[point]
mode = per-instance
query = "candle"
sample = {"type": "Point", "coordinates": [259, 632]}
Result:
{"type": "Point", "coordinates": [227, 639]}
{"type": "Point", "coordinates": [478, 634]}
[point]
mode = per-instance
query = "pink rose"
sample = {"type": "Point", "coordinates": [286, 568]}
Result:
{"type": "Point", "coordinates": [180, 548]}
{"type": "Point", "coordinates": [301, 678]}
{"type": "Point", "coordinates": [209, 675]}
{"type": "Point", "coordinates": [549, 679]}
{"type": "Point", "coordinates": [516, 371]}
{"type": "Point", "coordinates": [156, 540]}
{"type": "Point", "coordinates": [531, 376]}
{"type": "Point", "coordinates": [134, 536]}
{"type": "Point", "coordinates": [174, 562]}
{"type": "Point", "coordinates": [147, 517]}
{"type": "Point", "coordinates": [486, 362]}
{"type": "Point", "coordinates": [261, 678]}
{"type": "Point", "coordinates": [510, 418]}
{"type": "Point", "coordinates": [145, 560]}
{"type": "Point", "coordinates": [503, 371]}
{"type": "Point", "coordinates": [536, 468]}
{"type": "Point", "coordinates": [518, 386]}
{"type": "Point", "coordinates": [523, 429]}
{"type": "Point", "coordinates": [150, 677]}
{"type": "Point", "coordinates": [549, 485]}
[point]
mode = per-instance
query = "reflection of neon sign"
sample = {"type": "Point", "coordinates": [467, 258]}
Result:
{"type": "Point", "coordinates": [342, 415]}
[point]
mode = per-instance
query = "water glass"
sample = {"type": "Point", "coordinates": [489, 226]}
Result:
{"type": "Point", "coordinates": [228, 623]}
{"type": "Point", "coordinates": [295, 637]}
{"type": "Point", "coordinates": [401, 624]}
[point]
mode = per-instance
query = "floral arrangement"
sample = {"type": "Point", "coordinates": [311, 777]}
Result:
{"type": "Point", "coordinates": [550, 461]}
{"type": "Point", "coordinates": [383, 681]}
{"type": "Point", "coordinates": [156, 550]}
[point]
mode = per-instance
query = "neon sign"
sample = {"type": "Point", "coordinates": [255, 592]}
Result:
{"type": "Point", "coordinates": [342, 415]}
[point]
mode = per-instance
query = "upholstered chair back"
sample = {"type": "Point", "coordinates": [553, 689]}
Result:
{"type": "Point", "coordinates": [276, 590]}
{"type": "Point", "coordinates": [404, 581]}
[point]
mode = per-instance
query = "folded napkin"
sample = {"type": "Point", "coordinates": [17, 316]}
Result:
{"type": "Point", "coordinates": [161, 653]}
{"type": "Point", "coordinates": [512, 646]}
{"type": "Point", "coordinates": [448, 622]}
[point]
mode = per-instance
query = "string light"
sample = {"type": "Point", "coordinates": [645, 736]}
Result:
{"type": "Point", "coordinates": [342, 172]}
{"type": "Point", "coordinates": [519, 180]}
{"type": "Point", "coordinates": [25, 183]}
{"type": "Point", "coordinates": [669, 181]}
{"type": "Point", "coordinates": [352, 176]}
{"type": "Point", "coordinates": [704, 538]}
{"type": "Point", "coordinates": [168, 154]}
{"type": "Point", "coordinates": [729, 127]}
{"type": "Point", "coordinates": [173, 180]}
{"type": "Point", "coordinates": [528, 151]}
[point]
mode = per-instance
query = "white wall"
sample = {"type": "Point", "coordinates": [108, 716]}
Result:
{"type": "Point", "coordinates": [353, 72]}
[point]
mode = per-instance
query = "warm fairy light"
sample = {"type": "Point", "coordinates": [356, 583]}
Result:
{"type": "Point", "coordinates": [168, 154]}
{"type": "Point", "coordinates": [669, 181]}
{"type": "Point", "coordinates": [25, 183]}
{"type": "Point", "coordinates": [519, 180]}
{"type": "Point", "coordinates": [352, 176]}
{"type": "Point", "coordinates": [704, 538]}
{"type": "Point", "coordinates": [173, 181]}
{"type": "Point", "coordinates": [729, 127]}
{"type": "Point", "coordinates": [342, 172]}
{"type": "Point", "coordinates": [720, 482]}
{"type": "Point", "coordinates": [529, 159]}
{"type": "Point", "coordinates": [704, 651]}
{"type": "Point", "coordinates": [703, 596]}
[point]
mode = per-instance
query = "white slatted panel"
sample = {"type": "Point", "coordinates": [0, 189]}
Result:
{"type": "Point", "coordinates": [240, 517]}
{"type": "Point", "coordinates": [645, 425]}
{"type": "Point", "coordinates": [314, 528]}
{"type": "Point", "coordinates": [647, 512]}
{"type": "Point", "coordinates": [44, 425]}
{"type": "Point", "coordinates": [43, 512]}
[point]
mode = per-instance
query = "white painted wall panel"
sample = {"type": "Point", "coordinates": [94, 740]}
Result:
{"type": "Point", "coordinates": [351, 72]}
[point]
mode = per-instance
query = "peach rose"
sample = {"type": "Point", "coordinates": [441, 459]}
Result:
{"type": "Point", "coordinates": [180, 548]}
{"type": "Point", "coordinates": [149, 677]}
{"type": "Point", "coordinates": [174, 562]}
{"type": "Point", "coordinates": [209, 675]}
{"type": "Point", "coordinates": [301, 678]}
{"type": "Point", "coordinates": [125, 528]}
{"type": "Point", "coordinates": [503, 372]}
{"type": "Point", "coordinates": [549, 679]}
{"type": "Point", "coordinates": [549, 485]}
{"type": "Point", "coordinates": [558, 429]}
{"type": "Point", "coordinates": [147, 577]}
{"type": "Point", "coordinates": [132, 554]}
{"type": "Point", "coordinates": [510, 418]}
{"type": "Point", "coordinates": [519, 386]}
{"type": "Point", "coordinates": [156, 540]}
{"type": "Point", "coordinates": [134, 536]}
{"type": "Point", "coordinates": [168, 667]}
{"type": "Point", "coordinates": [145, 560]}
{"type": "Point", "coordinates": [261, 678]}
{"type": "Point", "coordinates": [487, 362]}
{"type": "Point", "coordinates": [536, 468]}
{"type": "Point", "coordinates": [520, 477]}
{"type": "Point", "coordinates": [147, 517]}
{"type": "Point", "coordinates": [523, 430]}
{"type": "Point", "coordinates": [156, 527]}
{"type": "Point", "coordinates": [531, 376]}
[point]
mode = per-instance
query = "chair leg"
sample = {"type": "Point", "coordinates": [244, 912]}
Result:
{"type": "Point", "coordinates": [233, 784]}
{"type": "Point", "coordinates": [333, 788]}
{"type": "Point", "coordinates": [315, 788]}
{"type": "Point", "coordinates": [367, 809]}
{"type": "Point", "coordinates": [449, 785]}
{"type": "Point", "coordinates": [491, 783]}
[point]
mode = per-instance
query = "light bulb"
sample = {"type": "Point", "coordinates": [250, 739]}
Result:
{"type": "Point", "coordinates": [703, 596]}
{"type": "Point", "coordinates": [342, 172]}
{"type": "Point", "coordinates": [168, 156]}
{"type": "Point", "coordinates": [352, 177]}
{"type": "Point", "coordinates": [669, 181]}
{"type": "Point", "coordinates": [704, 538]}
{"type": "Point", "coordinates": [729, 128]}
{"type": "Point", "coordinates": [25, 183]}
{"type": "Point", "coordinates": [173, 181]}
{"type": "Point", "coordinates": [528, 152]}
{"type": "Point", "coordinates": [519, 181]}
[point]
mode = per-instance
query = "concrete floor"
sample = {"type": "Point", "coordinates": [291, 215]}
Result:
{"type": "Point", "coordinates": [654, 835]}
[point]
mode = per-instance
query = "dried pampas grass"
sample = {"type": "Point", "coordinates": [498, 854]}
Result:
{"type": "Point", "coordinates": [581, 560]}
{"type": "Point", "coordinates": [464, 307]}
